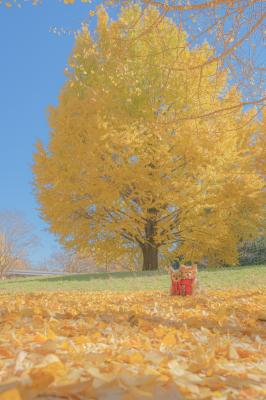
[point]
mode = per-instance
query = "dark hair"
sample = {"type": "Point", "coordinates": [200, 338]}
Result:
{"type": "Point", "coordinates": [175, 264]}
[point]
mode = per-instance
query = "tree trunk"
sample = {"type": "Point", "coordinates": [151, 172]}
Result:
{"type": "Point", "coordinates": [149, 247]}
{"type": "Point", "coordinates": [150, 257]}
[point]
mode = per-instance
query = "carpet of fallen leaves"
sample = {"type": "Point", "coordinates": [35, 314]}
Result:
{"type": "Point", "coordinates": [144, 345]}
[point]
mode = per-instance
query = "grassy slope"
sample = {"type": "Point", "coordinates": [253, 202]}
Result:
{"type": "Point", "coordinates": [219, 278]}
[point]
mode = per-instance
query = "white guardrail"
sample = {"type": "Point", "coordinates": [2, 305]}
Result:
{"type": "Point", "coordinates": [34, 273]}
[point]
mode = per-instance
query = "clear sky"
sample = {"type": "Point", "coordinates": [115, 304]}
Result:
{"type": "Point", "coordinates": [32, 62]}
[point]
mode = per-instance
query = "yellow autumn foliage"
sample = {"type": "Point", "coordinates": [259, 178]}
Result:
{"type": "Point", "coordinates": [186, 350]}
{"type": "Point", "coordinates": [145, 154]}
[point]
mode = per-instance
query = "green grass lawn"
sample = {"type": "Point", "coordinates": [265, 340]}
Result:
{"type": "Point", "coordinates": [213, 278]}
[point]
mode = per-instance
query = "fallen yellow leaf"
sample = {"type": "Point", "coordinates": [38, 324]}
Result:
{"type": "Point", "coordinates": [169, 339]}
{"type": "Point", "coordinates": [11, 394]}
{"type": "Point", "coordinates": [136, 358]}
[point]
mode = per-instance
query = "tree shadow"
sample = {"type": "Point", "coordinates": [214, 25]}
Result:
{"type": "Point", "coordinates": [99, 275]}
{"type": "Point", "coordinates": [117, 275]}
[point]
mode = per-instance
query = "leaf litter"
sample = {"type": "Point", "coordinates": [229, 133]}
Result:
{"type": "Point", "coordinates": [144, 345]}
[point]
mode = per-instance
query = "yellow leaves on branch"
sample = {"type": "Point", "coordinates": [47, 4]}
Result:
{"type": "Point", "coordinates": [141, 153]}
{"type": "Point", "coordinates": [73, 1]}
{"type": "Point", "coordinates": [82, 1]}
{"type": "Point", "coordinates": [132, 346]}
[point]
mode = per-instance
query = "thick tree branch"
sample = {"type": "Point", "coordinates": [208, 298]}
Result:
{"type": "Point", "coordinates": [189, 7]}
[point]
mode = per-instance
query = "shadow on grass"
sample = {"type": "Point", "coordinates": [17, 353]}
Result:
{"type": "Point", "coordinates": [89, 277]}
{"type": "Point", "coordinates": [119, 275]}
{"type": "Point", "coordinates": [101, 276]}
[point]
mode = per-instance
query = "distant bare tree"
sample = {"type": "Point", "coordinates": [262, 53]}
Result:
{"type": "Point", "coordinates": [71, 262]}
{"type": "Point", "coordinates": [16, 239]}
{"type": "Point", "coordinates": [7, 260]}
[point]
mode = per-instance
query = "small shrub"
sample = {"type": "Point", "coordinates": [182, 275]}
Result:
{"type": "Point", "coordinates": [253, 253]}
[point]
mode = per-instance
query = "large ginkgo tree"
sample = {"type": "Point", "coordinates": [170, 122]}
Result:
{"type": "Point", "coordinates": [145, 154]}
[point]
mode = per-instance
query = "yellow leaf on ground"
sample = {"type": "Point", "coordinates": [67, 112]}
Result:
{"type": "Point", "coordinates": [41, 378]}
{"type": "Point", "coordinates": [11, 394]}
{"type": "Point", "coordinates": [169, 339]}
{"type": "Point", "coordinates": [136, 357]}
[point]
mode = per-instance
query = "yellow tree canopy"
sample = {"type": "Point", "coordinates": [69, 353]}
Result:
{"type": "Point", "coordinates": [140, 153]}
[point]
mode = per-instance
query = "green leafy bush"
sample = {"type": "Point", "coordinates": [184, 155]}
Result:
{"type": "Point", "coordinates": [253, 253]}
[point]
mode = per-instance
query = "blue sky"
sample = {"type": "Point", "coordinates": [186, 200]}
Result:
{"type": "Point", "coordinates": [31, 75]}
